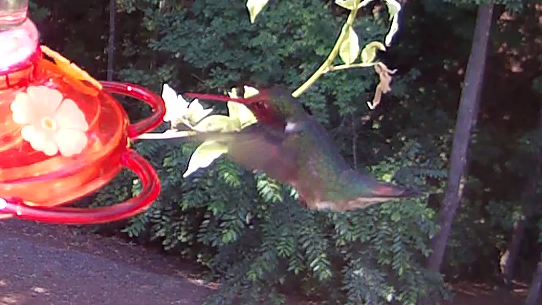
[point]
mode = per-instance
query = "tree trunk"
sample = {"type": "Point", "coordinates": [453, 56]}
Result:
{"type": "Point", "coordinates": [512, 251]}
{"type": "Point", "coordinates": [466, 115]}
{"type": "Point", "coordinates": [111, 42]}
{"type": "Point", "coordinates": [534, 290]}
{"type": "Point", "coordinates": [519, 226]}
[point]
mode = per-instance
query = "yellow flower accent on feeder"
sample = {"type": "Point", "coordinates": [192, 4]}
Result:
{"type": "Point", "coordinates": [71, 70]}
{"type": "Point", "coordinates": [52, 124]}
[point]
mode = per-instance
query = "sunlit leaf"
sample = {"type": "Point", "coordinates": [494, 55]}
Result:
{"type": "Point", "coordinates": [368, 54]}
{"type": "Point", "coordinates": [220, 123]}
{"type": "Point", "coordinates": [243, 116]}
{"type": "Point", "coordinates": [196, 112]}
{"type": "Point", "coordinates": [393, 8]}
{"type": "Point", "coordinates": [175, 107]}
{"type": "Point", "coordinates": [239, 111]}
{"type": "Point", "coordinates": [349, 4]}
{"type": "Point", "coordinates": [179, 110]}
{"type": "Point", "coordinates": [249, 91]}
{"type": "Point", "coordinates": [349, 50]}
{"type": "Point", "coordinates": [255, 7]}
{"type": "Point", "coordinates": [204, 155]}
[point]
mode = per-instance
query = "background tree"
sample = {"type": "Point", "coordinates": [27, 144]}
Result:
{"type": "Point", "coordinates": [466, 117]}
{"type": "Point", "coordinates": [111, 41]}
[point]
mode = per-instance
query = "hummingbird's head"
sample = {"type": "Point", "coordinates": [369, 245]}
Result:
{"type": "Point", "coordinates": [275, 102]}
{"type": "Point", "coordinates": [271, 106]}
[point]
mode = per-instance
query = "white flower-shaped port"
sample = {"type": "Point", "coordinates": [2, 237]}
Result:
{"type": "Point", "coordinates": [52, 124]}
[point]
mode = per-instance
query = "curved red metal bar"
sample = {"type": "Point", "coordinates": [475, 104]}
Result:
{"type": "Point", "coordinates": [16, 207]}
{"type": "Point", "coordinates": [78, 216]}
{"type": "Point", "coordinates": [140, 93]}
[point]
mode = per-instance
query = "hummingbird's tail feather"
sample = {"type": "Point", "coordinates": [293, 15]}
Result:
{"type": "Point", "coordinates": [386, 190]}
{"type": "Point", "coordinates": [411, 193]}
{"type": "Point", "coordinates": [383, 192]}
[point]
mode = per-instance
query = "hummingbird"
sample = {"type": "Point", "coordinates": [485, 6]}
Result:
{"type": "Point", "coordinates": [290, 146]}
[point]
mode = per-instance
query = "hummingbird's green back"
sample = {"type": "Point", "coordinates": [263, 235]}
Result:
{"type": "Point", "coordinates": [323, 176]}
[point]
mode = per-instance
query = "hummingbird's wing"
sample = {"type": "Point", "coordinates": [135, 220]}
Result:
{"type": "Point", "coordinates": [260, 147]}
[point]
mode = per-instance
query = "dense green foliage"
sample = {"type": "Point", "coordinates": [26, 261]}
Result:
{"type": "Point", "coordinates": [248, 229]}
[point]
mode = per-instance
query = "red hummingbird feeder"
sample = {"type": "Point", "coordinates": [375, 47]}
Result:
{"type": "Point", "coordinates": [62, 135]}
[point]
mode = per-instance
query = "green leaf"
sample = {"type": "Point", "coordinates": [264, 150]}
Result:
{"type": "Point", "coordinates": [255, 7]}
{"type": "Point", "coordinates": [249, 91]}
{"type": "Point", "coordinates": [196, 112]}
{"type": "Point", "coordinates": [393, 8]}
{"type": "Point", "coordinates": [176, 106]}
{"type": "Point", "coordinates": [217, 123]}
{"type": "Point", "coordinates": [179, 110]}
{"type": "Point", "coordinates": [204, 155]}
{"type": "Point", "coordinates": [349, 50]}
{"type": "Point", "coordinates": [369, 52]}
{"type": "Point", "coordinates": [396, 216]}
{"type": "Point", "coordinates": [241, 114]}
{"type": "Point", "coordinates": [387, 177]}
{"type": "Point", "coordinates": [349, 4]}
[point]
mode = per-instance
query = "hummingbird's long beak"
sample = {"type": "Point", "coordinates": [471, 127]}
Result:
{"type": "Point", "coordinates": [222, 98]}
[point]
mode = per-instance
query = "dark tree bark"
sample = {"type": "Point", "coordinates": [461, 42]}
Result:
{"type": "Point", "coordinates": [512, 250]}
{"type": "Point", "coordinates": [519, 227]}
{"type": "Point", "coordinates": [534, 290]}
{"type": "Point", "coordinates": [466, 117]}
{"type": "Point", "coordinates": [111, 42]}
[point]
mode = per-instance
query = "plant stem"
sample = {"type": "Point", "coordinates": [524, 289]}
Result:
{"type": "Point", "coordinates": [332, 55]}
{"type": "Point", "coordinates": [350, 66]}
{"type": "Point", "coordinates": [354, 143]}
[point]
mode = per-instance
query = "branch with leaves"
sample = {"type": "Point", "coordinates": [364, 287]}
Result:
{"type": "Point", "coordinates": [193, 116]}
{"type": "Point", "coordinates": [347, 46]}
